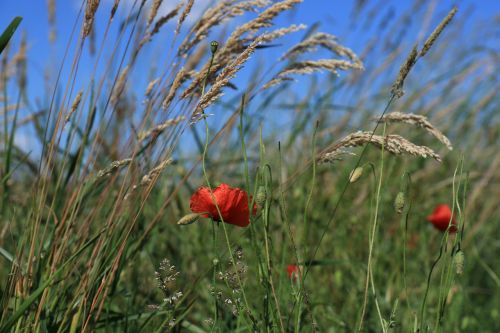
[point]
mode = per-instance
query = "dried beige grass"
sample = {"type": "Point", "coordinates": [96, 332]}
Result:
{"type": "Point", "coordinates": [394, 144]}
{"type": "Point", "coordinates": [150, 176]}
{"type": "Point", "coordinates": [51, 10]}
{"type": "Point", "coordinates": [278, 33]}
{"type": "Point", "coordinates": [150, 87]}
{"type": "Point", "coordinates": [164, 19]}
{"type": "Point", "coordinates": [159, 128]}
{"type": "Point", "coordinates": [419, 121]}
{"type": "Point", "coordinates": [325, 41]}
{"type": "Point", "coordinates": [119, 86]}
{"type": "Point", "coordinates": [184, 15]}
{"type": "Point", "coordinates": [74, 106]}
{"type": "Point", "coordinates": [181, 76]}
{"type": "Point", "coordinates": [223, 78]}
{"type": "Point", "coordinates": [153, 11]}
{"type": "Point", "coordinates": [90, 11]}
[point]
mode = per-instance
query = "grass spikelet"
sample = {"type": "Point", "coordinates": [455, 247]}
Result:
{"type": "Point", "coordinates": [90, 10]}
{"type": "Point", "coordinates": [149, 88]}
{"type": "Point", "coordinates": [51, 10]}
{"type": "Point", "coordinates": [179, 79]}
{"type": "Point", "coordinates": [439, 29]}
{"type": "Point", "coordinates": [153, 11]}
{"type": "Point", "coordinates": [397, 87]}
{"type": "Point", "coordinates": [459, 260]}
{"type": "Point", "coordinates": [74, 106]}
{"type": "Point", "coordinates": [164, 19]}
{"type": "Point", "coordinates": [399, 202]}
{"type": "Point", "coordinates": [270, 36]}
{"type": "Point", "coordinates": [355, 174]}
{"type": "Point", "coordinates": [419, 121]}
{"type": "Point", "coordinates": [184, 15]}
{"type": "Point", "coordinates": [394, 144]}
{"type": "Point", "coordinates": [115, 165]}
{"type": "Point", "coordinates": [119, 86]}
{"type": "Point", "coordinates": [159, 128]}
{"type": "Point", "coordinates": [223, 78]}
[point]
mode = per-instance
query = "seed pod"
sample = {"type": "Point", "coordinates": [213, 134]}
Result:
{"type": "Point", "coordinates": [214, 46]}
{"type": "Point", "coordinates": [261, 196]}
{"type": "Point", "coordinates": [355, 174]}
{"type": "Point", "coordinates": [399, 202]}
{"type": "Point", "coordinates": [189, 218]}
{"type": "Point", "coordinates": [458, 259]}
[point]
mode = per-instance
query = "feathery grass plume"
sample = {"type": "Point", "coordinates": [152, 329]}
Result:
{"type": "Point", "coordinates": [164, 19]}
{"type": "Point", "coordinates": [149, 88]}
{"type": "Point", "coordinates": [74, 105]}
{"type": "Point", "coordinates": [435, 34]}
{"type": "Point", "coordinates": [184, 14]}
{"type": "Point", "coordinates": [397, 86]}
{"type": "Point", "coordinates": [153, 11]}
{"type": "Point", "coordinates": [270, 36]}
{"type": "Point", "coordinates": [119, 86]}
{"type": "Point", "coordinates": [223, 78]}
{"type": "Point", "coordinates": [159, 128]}
{"type": "Point", "coordinates": [222, 11]}
{"type": "Point", "coordinates": [325, 41]}
{"type": "Point", "coordinates": [276, 81]}
{"type": "Point", "coordinates": [394, 144]}
{"type": "Point", "coordinates": [419, 121]}
{"type": "Point", "coordinates": [90, 10]}
{"type": "Point", "coordinates": [115, 165]}
{"type": "Point", "coordinates": [181, 76]}
{"type": "Point", "coordinates": [51, 10]}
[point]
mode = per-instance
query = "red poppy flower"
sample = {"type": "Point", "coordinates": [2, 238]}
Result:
{"type": "Point", "coordinates": [293, 271]}
{"type": "Point", "coordinates": [232, 203]}
{"type": "Point", "coordinates": [441, 217]}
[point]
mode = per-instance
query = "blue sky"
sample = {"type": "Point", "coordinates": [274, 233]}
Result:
{"type": "Point", "coordinates": [334, 16]}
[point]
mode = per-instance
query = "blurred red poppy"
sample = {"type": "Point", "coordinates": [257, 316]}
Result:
{"type": "Point", "coordinates": [441, 218]}
{"type": "Point", "coordinates": [293, 271]}
{"type": "Point", "coordinates": [232, 203]}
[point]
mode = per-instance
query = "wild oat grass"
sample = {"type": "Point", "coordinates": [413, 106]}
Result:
{"type": "Point", "coordinates": [96, 228]}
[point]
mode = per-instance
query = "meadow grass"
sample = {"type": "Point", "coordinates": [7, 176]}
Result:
{"type": "Point", "coordinates": [343, 168]}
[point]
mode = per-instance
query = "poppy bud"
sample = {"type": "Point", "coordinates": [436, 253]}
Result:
{"type": "Point", "coordinates": [355, 174]}
{"type": "Point", "coordinates": [458, 259]}
{"type": "Point", "coordinates": [261, 196]}
{"type": "Point", "coordinates": [188, 219]}
{"type": "Point", "coordinates": [214, 46]}
{"type": "Point", "coordinates": [399, 202]}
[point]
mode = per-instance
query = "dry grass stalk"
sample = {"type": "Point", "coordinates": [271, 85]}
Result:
{"type": "Point", "coordinates": [326, 41]}
{"type": "Point", "coordinates": [164, 19]}
{"type": "Point", "coordinates": [419, 121]}
{"type": "Point", "coordinates": [222, 11]}
{"type": "Point", "coordinates": [159, 128]}
{"type": "Point", "coordinates": [153, 11]}
{"type": "Point", "coordinates": [181, 76]}
{"type": "Point", "coordinates": [184, 14]}
{"type": "Point", "coordinates": [150, 176]}
{"type": "Point", "coordinates": [435, 34]}
{"type": "Point", "coordinates": [147, 179]}
{"type": "Point", "coordinates": [149, 88]}
{"type": "Point", "coordinates": [115, 165]}
{"type": "Point", "coordinates": [74, 105]}
{"type": "Point", "coordinates": [90, 10]}
{"type": "Point", "coordinates": [223, 78]}
{"type": "Point", "coordinates": [270, 36]}
{"type": "Point", "coordinates": [119, 87]}
{"type": "Point", "coordinates": [397, 86]}
{"type": "Point", "coordinates": [394, 144]}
